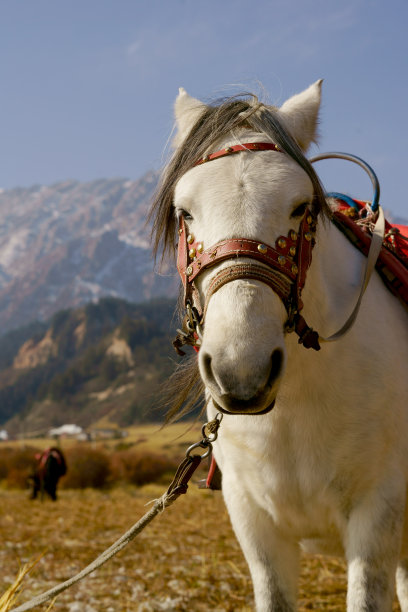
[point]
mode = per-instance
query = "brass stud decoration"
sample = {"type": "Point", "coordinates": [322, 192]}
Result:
{"type": "Point", "coordinates": [309, 219]}
{"type": "Point", "coordinates": [228, 149]}
{"type": "Point", "coordinates": [292, 251]}
{"type": "Point", "coordinates": [293, 235]}
{"type": "Point", "coordinates": [281, 260]}
{"type": "Point", "coordinates": [200, 247]}
{"type": "Point", "coordinates": [295, 269]}
{"type": "Point", "coordinates": [180, 231]}
{"type": "Point", "coordinates": [281, 243]}
{"type": "Point", "coordinates": [192, 252]}
{"type": "Point", "coordinates": [308, 236]}
{"type": "Point", "coordinates": [262, 248]}
{"type": "Point", "coordinates": [190, 238]}
{"type": "Point", "coordinates": [189, 271]}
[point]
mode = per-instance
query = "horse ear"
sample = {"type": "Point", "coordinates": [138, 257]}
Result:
{"type": "Point", "coordinates": [187, 110]}
{"type": "Point", "coordinates": [300, 114]}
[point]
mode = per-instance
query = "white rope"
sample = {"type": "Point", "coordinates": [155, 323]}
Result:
{"type": "Point", "coordinates": [159, 505]}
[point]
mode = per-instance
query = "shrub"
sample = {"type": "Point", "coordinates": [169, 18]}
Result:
{"type": "Point", "coordinates": [139, 468]}
{"type": "Point", "coordinates": [86, 467]}
{"type": "Point", "coordinates": [16, 465]}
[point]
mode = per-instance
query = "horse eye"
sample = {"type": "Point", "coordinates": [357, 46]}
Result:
{"type": "Point", "coordinates": [299, 210]}
{"type": "Point", "coordinates": [186, 215]}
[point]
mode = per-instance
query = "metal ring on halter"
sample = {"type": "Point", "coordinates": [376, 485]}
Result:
{"type": "Point", "coordinates": [207, 440]}
{"type": "Point", "coordinates": [203, 444]}
{"type": "Point", "coordinates": [360, 162]}
{"type": "Point", "coordinates": [212, 427]}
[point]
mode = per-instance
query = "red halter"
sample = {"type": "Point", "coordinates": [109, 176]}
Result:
{"type": "Point", "coordinates": [248, 146]}
{"type": "Point", "coordinates": [283, 268]}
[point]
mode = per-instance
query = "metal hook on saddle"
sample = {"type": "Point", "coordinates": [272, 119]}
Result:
{"type": "Point", "coordinates": [360, 162]}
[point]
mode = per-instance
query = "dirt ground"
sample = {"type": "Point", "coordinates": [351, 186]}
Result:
{"type": "Point", "coordinates": [186, 559]}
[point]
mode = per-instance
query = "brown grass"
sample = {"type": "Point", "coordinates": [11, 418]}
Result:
{"type": "Point", "coordinates": [187, 559]}
{"type": "Point", "coordinates": [11, 596]}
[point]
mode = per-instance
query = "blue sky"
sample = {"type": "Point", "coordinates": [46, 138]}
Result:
{"type": "Point", "coordinates": [87, 86]}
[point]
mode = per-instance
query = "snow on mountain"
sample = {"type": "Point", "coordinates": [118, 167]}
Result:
{"type": "Point", "coordinates": [69, 243]}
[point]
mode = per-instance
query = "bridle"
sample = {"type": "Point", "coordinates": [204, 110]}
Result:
{"type": "Point", "coordinates": [282, 267]}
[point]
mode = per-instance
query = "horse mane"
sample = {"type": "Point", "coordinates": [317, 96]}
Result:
{"type": "Point", "coordinates": [218, 120]}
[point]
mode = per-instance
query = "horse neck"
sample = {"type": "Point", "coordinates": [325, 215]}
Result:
{"type": "Point", "coordinates": [330, 293]}
{"type": "Point", "coordinates": [333, 281]}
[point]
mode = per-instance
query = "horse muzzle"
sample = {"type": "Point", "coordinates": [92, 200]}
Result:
{"type": "Point", "coordinates": [238, 409]}
{"type": "Point", "coordinates": [242, 394]}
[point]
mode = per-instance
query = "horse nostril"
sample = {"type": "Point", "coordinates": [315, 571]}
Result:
{"type": "Point", "coordinates": [206, 367]}
{"type": "Point", "coordinates": [276, 364]}
{"type": "Point", "coordinates": [207, 371]}
{"type": "Point", "coordinates": [206, 364]}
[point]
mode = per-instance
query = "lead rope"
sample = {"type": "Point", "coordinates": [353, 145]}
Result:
{"type": "Point", "coordinates": [178, 486]}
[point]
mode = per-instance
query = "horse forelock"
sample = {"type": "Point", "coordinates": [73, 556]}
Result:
{"type": "Point", "coordinates": [219, 120]}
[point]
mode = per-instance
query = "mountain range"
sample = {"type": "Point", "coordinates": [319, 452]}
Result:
{"type": "Point", "coordinates": [71, 243]}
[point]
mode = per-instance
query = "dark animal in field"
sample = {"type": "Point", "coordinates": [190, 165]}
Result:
{"type": "Point", "coordinates": [51, 466]}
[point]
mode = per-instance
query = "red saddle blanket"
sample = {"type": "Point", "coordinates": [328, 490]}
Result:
{"type": "Point", "coordinates": [392, 263]}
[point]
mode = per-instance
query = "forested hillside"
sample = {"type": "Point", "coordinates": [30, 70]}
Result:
{"type": "Point", "coordinates": [101, 360]}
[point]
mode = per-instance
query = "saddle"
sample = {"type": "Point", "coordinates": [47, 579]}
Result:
{"type": "Point", "coordinates": [392, 263]}
{"type": "Point", "coordinates": [45, 455]}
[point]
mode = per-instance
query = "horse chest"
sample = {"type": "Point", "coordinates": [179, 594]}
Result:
{"type": "Point", "coordinates": [288, 479]}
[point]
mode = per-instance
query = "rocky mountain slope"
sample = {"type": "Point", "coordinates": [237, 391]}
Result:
{"type": "Point", "coordinates": [71, 243]}
{"type": "Point", "coordinates": [106, 359]}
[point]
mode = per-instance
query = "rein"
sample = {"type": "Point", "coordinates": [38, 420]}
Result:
{"type": "Point", "coordinates": [282, 267]}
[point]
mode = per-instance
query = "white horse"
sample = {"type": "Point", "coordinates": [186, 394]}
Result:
{"type": "Point", "coordinates": [313, 448]}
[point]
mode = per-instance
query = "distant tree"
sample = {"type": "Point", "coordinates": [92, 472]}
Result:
{"type": "Point", "coordinates": [11, 342]}
{"type": "Point", "coordinates": [110, 368]}
{"type": "Point", "coordinates": [136, 331]}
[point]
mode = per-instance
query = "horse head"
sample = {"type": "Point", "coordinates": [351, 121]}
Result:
{"type": "Point", "coordinates": [262, 196]}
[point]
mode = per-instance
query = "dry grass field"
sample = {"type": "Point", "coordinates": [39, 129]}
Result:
{"type": "Point", "coordinates": [187, 559]}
